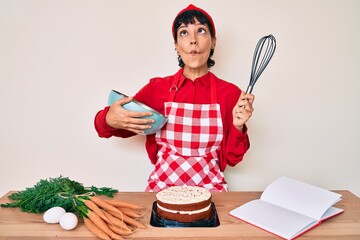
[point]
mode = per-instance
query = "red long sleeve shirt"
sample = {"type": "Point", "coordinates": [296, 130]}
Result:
{"type": "Point", "coordinates": [234, 144]}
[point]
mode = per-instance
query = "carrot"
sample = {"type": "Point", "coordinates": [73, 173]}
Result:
{"type": "Point", "coordinates": [134, 222]}
{"type": "Point", "coordinates": [96, 209]}
{"type": "Point", "coordinates": [117, 221]}
{"type": "Point", "coordinates": [95, 230]}
{"type": "Point", "coordinates": [129, 220]}
{"type": "Point", "coordinates": [120, 231]}
{"type": "Point", "coordinates": [104, 204]}
{"type": "Point", "coordinates": [102, 225]}
{"type": "Point", "coordinates": [119, 203]}
{"type": "Point", "coordinates": [130, 212]}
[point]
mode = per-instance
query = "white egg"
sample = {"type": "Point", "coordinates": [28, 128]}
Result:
{"type": "Point", "coordinates": [68, 221]}
{"type": "Point", "coordinates": [52, 215]}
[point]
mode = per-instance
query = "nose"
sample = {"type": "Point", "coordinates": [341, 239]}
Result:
{"type": "Point", "coordinates": [193, 40]}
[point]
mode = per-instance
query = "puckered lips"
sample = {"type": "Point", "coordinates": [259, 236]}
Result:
{"type": "Point", "coordinates": [193, 52]}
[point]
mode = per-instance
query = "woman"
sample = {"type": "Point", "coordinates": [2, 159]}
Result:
{"type": "Point", "coordinates": [206, 129]}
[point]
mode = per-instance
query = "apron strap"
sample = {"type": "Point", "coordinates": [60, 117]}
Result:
{"type": "Point", "coordinates": [213, 89]}
{"type": "Point", "coordinates": [179, 80]}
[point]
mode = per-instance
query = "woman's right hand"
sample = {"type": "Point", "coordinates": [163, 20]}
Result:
{"type": "Point", "coordinates": [120, 118]}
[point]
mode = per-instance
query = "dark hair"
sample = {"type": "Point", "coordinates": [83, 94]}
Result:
{"type": "Point", "coordinates": [188, 17]}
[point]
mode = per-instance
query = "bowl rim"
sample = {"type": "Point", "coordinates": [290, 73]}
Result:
{"type": "Point", "coordinates": [141, 104]}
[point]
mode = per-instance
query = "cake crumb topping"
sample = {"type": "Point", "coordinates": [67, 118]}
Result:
{"type": "Point", "coordinates": [183, 194]}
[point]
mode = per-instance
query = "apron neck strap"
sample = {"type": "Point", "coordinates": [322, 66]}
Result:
{"type": "Point", "coordinates": [213, 88]}
{"type": "Point", "coordinates": [179, 80]}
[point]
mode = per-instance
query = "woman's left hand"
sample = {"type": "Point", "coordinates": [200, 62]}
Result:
{"type": "Point", "coordinates": [243, 110]}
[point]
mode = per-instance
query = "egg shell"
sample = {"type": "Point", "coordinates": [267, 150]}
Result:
{"type": "Point", "coordinates": [52, 215]}
{"type": "Point", "coordinates": [68, 221]}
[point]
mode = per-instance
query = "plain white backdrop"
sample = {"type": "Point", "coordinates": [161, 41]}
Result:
{"type": "Point", "coordinates": [60, 59]}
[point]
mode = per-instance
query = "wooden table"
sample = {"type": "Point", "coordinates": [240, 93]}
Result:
{"type": "Point", "coordinates": [15, 224]}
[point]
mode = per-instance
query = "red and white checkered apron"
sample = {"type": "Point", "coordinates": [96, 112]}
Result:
{"type": "Point", "coordinates": [187, 146]}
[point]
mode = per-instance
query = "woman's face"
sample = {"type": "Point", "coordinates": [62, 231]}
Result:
{"type": "Point", "coordinates": [193, 44]}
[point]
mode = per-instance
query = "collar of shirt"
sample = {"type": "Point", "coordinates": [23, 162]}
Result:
{"type": "Point", "coordinates": [203, 80]}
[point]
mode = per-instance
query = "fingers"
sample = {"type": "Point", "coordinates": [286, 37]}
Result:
{"type": "Point", "coordinates": [246, 101]}
{"type": "Point", "coordinates": [132, 124]}
{"type": "Point", "coordinates": [138, 121]}
{"type": "Point", "coordinates": [133, 114]}
{"type": "Point", "coordinates": [247, 96]}
{"type": "Point", "coordinates": [243, 110]}
{"type": "Point", "coordinates": [123, 101]}
{"type": "Point", "coordinates": [120, 118]}
{"type": "Point", "coordinates": [137, 128]}
{"type": "Point", "coordinates": [240, 117]}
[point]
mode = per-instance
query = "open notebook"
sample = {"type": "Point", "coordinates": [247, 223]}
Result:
{"type": "Point", "coordinates": [289, 208]}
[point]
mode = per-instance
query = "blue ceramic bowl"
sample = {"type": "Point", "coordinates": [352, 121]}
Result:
{"type": "Point", "coordinates": [159, 119]}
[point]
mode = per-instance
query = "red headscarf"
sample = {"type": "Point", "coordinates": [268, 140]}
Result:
{"type": "Point", "coordinates": [192, 7]}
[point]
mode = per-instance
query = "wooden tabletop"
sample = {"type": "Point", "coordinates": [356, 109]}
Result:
{"type": "Point", "coordinates": [15, 224]}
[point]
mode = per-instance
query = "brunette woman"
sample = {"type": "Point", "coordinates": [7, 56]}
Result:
{"type": "Point", "coordinates": [206, 128]}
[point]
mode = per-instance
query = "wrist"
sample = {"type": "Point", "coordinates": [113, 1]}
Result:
{"type": "Point", "coordinates": [241, 128]}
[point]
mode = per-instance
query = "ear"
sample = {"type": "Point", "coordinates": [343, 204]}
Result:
{"type": "Point", "coordinates": [213, 42]}
{"type": "Point", "coordinates": [176, 46]}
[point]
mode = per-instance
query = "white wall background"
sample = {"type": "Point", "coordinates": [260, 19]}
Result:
{"type": "Point", "coordinates": [59, 60]}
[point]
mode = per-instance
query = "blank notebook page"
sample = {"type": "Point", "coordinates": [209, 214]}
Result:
{"type": "Point", "coordinates": [300, 197]}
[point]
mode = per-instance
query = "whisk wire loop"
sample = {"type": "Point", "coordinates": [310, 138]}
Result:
{"type": "Point", "coordinates": [256, 69]}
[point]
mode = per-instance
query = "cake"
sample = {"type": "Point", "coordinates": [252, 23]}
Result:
{"type": "Point", "coordinates": [184, 203]}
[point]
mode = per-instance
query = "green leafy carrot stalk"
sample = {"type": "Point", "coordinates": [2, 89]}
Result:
{"type": "Point", "coordinates": [47, 193]}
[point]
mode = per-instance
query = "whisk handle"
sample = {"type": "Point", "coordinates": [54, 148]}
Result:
{"type": "Point", "coordinates": [249, 89]}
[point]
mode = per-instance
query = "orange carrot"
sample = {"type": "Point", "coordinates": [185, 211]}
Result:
{"type": "Point", "coordinates": [117, 220]}
{"type": "Point", "coordinates": [95, 230]}
{"type": "Point", "coordinates": [120, 231]}
{"type": "Point", "coordinates": [134, 222]}
{"type": "Point", "coordinates": [102, 225]}
{"type": "Point", "coordinates": [129, 220]}
{"type": "Point", "coordinates": [104, 204]}
{"type": "Point", "coordinates": [130, 212]}
{"type": "Point", "coordinates": [96, 209]}
{"type": "Point", "coordinates": [119, 203]}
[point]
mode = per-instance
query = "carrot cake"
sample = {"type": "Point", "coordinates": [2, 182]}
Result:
{"type": "Point", "coordinates": [184, 203]}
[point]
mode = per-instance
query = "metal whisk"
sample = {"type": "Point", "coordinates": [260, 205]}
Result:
{"type": "Point", "coordinates": [257, 69]}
